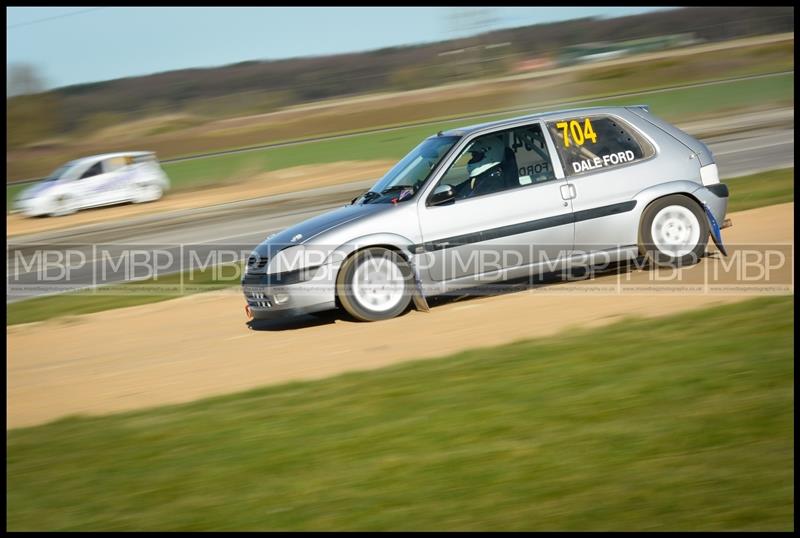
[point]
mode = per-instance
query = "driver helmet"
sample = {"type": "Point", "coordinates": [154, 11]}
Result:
{"type": "Point", "coordinates": [487, 153]}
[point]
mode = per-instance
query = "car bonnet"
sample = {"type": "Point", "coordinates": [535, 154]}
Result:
{"type": "Point", "coordinates": [303, 232]}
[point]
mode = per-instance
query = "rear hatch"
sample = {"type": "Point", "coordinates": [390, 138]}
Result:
{"type": "Point", "coordinates": [701, 150]}
{"type": "Point", "coordinates": [708, 168]}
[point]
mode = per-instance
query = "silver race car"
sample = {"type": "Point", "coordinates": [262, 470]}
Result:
{"type": "Point", "coordinates": [499, 201]}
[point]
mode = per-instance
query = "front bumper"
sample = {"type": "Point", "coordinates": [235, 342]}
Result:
{"type": "Point", "coordinates": [30, 207]}
{"type": "Point", "coordinates": [267, 298]}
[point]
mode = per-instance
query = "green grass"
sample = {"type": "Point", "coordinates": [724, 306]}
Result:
{"type": "Point", "coordinates": [688, 104]}
{"type": "Point", "coordinates": [747, 192]}
{"type": "Point", "coordinates": [12, 191]}
{"type": "Point", "coordinates": [679, 423]}
{"type": "Point", "coordinates": [589, 81]}
{"type": "Point", "coordinates": [762, 189]}
{"type": "Point", "coordinates": [674, 105]}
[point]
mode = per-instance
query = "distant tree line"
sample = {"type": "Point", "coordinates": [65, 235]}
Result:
{"type": "Point", "coordinates": [262, 86]}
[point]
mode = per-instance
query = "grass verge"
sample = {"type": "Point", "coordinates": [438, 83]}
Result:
{"type": "Point", "coordinates": [444, 102]}
{"type": "Point", "coordinates": [762, 189]}
{"type": "Point", "coordinates": [679, 423]}
{"type": "Point", "coordinates": [746, 192]}
{"type": "Point", "coordinates": [673, 105]}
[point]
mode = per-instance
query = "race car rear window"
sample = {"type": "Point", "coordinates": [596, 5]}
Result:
{"type": "Point", "coordinates": [594, 143]}
{"type": "Point", "coordinates": [114, 163]}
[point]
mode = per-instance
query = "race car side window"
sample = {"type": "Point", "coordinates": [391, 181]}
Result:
{"type": "Point", "coordinates": [96, 169]}
{"type": "Point", "coordinates": [114, 163]}
{"type": "Point", "coordinates": [501, 161]}
{"type": "Point", "coordinates": [588, 144]}
{"type": "Point", "coordinates": [531, 155]}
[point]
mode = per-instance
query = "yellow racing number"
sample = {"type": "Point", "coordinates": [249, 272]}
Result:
{"type": "Point", "coordinates": [579, 134]}
{"type": "Point", "coordinates": [565, 135]}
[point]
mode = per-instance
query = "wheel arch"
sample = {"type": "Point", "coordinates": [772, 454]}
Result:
{"type": "Point", "coordinates": [389, 241]}
{"type": "Point", "coordinates": [648, 196]}
{"type": "Point", "coordinates": [641, 240]}
{"type": "Point", "coordinates": [52, 197]}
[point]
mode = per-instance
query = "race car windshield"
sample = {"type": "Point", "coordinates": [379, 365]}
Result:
{"type": "Point", "coordinates": [60, 171]}
{"type": "Point", "coordinates": [407, 176]}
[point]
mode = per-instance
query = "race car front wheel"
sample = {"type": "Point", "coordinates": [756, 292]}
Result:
{"type": "Point", "coordinates": [374, 284]}
{"type": "Point", "coordinates": [63, 205]}
{"type": "Point", "coordinates": [673, 232]}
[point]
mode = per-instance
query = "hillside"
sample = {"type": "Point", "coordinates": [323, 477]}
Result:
{"type": "Point", "coordinates": [263, 86]}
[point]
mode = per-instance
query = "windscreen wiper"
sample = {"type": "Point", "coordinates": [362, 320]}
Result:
{"type": "Point", "coordinates": [395, 188]}
{"type": "Point", "coordinates": [369, 195]}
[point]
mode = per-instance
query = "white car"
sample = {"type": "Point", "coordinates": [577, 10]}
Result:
{"type": "Point", "coordinates": [99, 180]}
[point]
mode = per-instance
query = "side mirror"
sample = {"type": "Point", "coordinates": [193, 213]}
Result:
{"type": "Point", "coordinates": [442, 195]}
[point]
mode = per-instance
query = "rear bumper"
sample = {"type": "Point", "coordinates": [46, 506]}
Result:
{"type": "Point", "coordinates": [719, 189]}
{"type": "Point", "coordinates": [716, 198]}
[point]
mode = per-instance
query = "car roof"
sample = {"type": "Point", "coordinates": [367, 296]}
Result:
{"type": "Point", "coordinates": [101, 156]}
{"type": "Point", "coordinates": [547, 115]}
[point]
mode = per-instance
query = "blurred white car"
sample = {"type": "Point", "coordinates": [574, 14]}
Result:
{"type": "Point", "coordinates": [111, 178]}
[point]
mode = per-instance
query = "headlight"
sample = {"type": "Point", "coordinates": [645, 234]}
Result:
{"type": "Point", "coordinates": [288, 259]}
{"type": "Point", "coordinates": [289, 264]}
{"type": "Point", "coordinates": [295, 258]}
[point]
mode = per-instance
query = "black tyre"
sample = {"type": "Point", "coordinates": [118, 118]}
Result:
{"type": "Point", "coordinates": [374, 284]}
{"type": "Point", "coordinates": [148, 192]}
{"type": "Point", "coordinates": [673, 232]}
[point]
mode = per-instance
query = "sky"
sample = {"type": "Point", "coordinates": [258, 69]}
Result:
{"type": "Point", "coordinates": [82, 44]}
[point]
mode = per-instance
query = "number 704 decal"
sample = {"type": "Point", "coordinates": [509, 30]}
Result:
{"type": "Point", "coordinates": [579, 133]}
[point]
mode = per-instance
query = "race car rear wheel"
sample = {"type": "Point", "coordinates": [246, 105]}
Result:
{"type": "Point", "coordinates": [374, 284]}
{"type": "Point", "coordinates": [148, 192]}
{"type": "Point", "coordinates": [673, 232]}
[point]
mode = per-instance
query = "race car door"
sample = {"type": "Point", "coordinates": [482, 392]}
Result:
{"type": "Point", "coordinates": [606, 162]}
{"type": "Point", "coordinates": [509, 209]}
{"type": "Point", "coordinates": [89, 188]}
{"type": "Point", "coordinates": [99, 184]}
